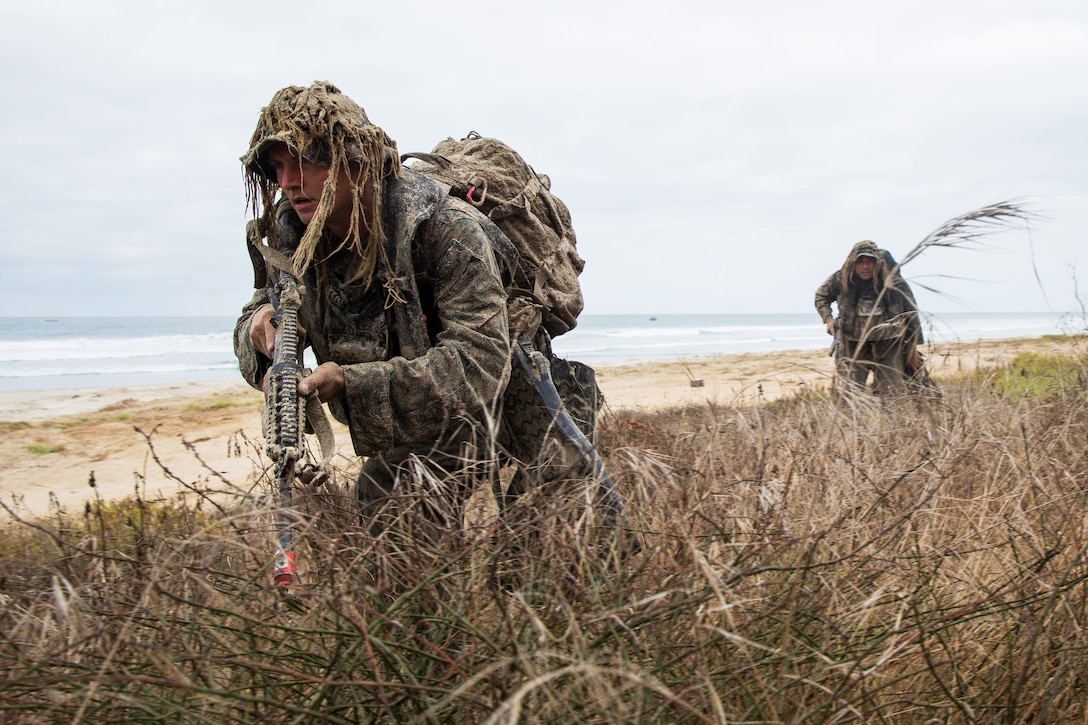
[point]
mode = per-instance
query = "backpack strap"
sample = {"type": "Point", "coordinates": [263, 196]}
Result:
{"type": "Point", "coordinates": [254, 243]}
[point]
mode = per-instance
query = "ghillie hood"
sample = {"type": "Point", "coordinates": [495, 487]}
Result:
{"type": "Point", "coordinates": [325, 127]}
{"type": "Point", "coordinates": [850, 283]}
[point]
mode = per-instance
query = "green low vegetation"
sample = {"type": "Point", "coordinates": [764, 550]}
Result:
{"type": "Point", "coordinates": [39, 449]}
{"type": "Point", "coordinates": [808, 560]}
{"type": "Point", "coordinates": [1036, 376]}
{"type": "Point", "coordinates": [225, 403]}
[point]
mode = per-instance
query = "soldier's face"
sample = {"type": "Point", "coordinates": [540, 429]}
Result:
{"type": "Point", "coordinates": [303, 182]}
{"type": "Point", "coordinates": [864, 267]}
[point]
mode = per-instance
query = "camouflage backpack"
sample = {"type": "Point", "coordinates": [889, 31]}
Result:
{"type": "Point", "coordinates": [494, 178]}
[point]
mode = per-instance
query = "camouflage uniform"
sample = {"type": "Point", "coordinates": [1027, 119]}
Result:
{"type": "Point", "coordinates": [423, 338]}
{"type": "Point", "coordinates": [424, 341]}
{"type": "Point", "coordinates": [878, 319]}
{"type": "Point", "coordinates": [397, 396]}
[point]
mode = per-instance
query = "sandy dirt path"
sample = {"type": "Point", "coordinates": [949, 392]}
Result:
{"type": "Point", "coordinates": [54, 441]}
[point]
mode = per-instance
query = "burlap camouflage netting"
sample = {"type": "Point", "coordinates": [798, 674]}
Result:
{"type": "Point", "coordinates": [881, 275]}
{"type": "Point", "coordinates": [323, 126]}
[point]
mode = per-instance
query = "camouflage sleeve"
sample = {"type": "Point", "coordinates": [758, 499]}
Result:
{"type": "Point", "coordinates": [404, 401]}
{"type": "Point", "coordinates": [251, 363]}
{"type": "Point", "coordinates": [827, 293]}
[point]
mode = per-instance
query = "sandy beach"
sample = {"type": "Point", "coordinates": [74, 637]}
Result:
{"type": "Point", "coordinates": [55, 441]}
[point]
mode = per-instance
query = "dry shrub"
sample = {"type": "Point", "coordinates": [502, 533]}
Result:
{"type": "Point", "coordinates": [804, 560]}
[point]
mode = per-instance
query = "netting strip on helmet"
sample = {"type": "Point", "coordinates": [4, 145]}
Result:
{"type": "Point", "coordinates": [321, 125]}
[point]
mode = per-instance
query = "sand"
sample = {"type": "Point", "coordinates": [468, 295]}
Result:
{"type": "Point", "coordinates": [207, 434]}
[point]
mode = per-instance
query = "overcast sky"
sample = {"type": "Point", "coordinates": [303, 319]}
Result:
{"type": "Point", "coordinates": [717, 156]}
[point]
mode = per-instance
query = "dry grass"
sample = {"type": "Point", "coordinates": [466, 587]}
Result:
{"type": "Point", "coordinates": [806, 560]}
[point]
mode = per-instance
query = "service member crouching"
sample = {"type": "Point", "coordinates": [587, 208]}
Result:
{"type": "Point", "coordinates": [877, 331]}
{"type": "Point", "coordinates": [405, 301]}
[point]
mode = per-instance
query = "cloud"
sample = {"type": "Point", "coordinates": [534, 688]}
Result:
{"type": "Point", "coordinates": [716, 156]}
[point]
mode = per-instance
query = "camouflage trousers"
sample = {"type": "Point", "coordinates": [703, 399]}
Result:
{"type": "Point", "coordinates": [885, 359]}
{"type": "Point", "coordinates": [522, 431]}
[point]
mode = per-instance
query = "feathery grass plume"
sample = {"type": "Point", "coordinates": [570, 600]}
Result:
{"type": "Point", "coordinates": [966, 231]}
{"type": "Point", "coordinates": [969, 230]}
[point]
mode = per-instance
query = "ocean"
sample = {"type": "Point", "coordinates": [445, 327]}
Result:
{"type": "Point", "coordinates": [75, 352]}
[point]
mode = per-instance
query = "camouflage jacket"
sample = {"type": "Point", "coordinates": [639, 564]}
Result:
{"type": "Point", "coordinates": [415, 361]}
{"type": "Point", "coordinates": [864, 311]}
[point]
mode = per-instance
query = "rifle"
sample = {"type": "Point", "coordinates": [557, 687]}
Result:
{"type": "Point", "coordinates": [538, 370]}
{"type": "Point", "coordinates": [284, 424]}
{"type": "Point", "coordinates": [836, 350]}
{"type": "Point", "coordinates": [283, 415]}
